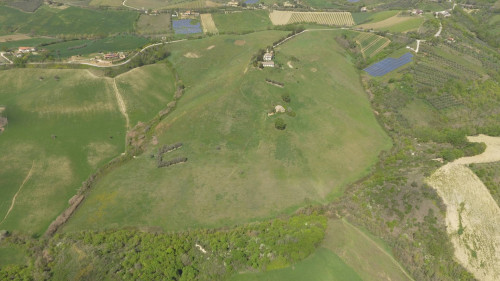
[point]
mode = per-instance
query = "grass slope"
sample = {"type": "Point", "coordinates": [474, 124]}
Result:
{"type": "Point", "coordinates": [240, 167]}
{"type": "Point", "coordinates": [81, 111]}
{"type": "Point", "coordinates": [246, 21]}
{"type": "Point", "coordinates": [146, 91]}
{"type": "Point", "coordinates": [347, 253]}
{"type": "Point", "coordinates": [323, 265]}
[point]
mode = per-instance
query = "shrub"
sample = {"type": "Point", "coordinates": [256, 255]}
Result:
{"type": "Point", "coordinates": [286, 97]}
{"type": "Point", "coordinates": [280, 124]}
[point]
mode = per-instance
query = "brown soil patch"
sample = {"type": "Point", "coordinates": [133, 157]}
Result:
{"type": "Point", "coordinates": [191, 55]}
{"type": "Point", "coordinates": [240, 42]}
{"type": "Point", "coordinates": [211, 47]}
{"type": "Point", "coordinates": [472, 215]}
{"type": "Point", "coordinates": [14, 37]}
{"type": "Point", "coordinates": [313, 69]}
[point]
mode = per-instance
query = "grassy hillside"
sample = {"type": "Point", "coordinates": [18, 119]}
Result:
{"type": "Point", "coordinates": [347, 253]}
{"type": "Point", "coordinates": [240, 167]}
{"type": "Point", "coordinates": [246, 21]}
{"type": "Point", "coordinates": [146, 91]}
{"type": "Point", "coordinates": [62, 125]}
{"type": "Point", "coordinates": [48, 21]}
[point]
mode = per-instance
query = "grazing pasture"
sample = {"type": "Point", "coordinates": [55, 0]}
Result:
{"type": "Point", "coordinates": [49, 21]}
{"type": "Point", "coordinates": [240, 167]}
{"type": "Point", "coordinates": [208, 24]}
{"type": "Point", "coordinates": [63, 124]}
{"type": "Point", "coordinates": [146, 90]}
{"type": "Point", "coordinates": [326, 18]}
{"type": "Point", "coordinates": [242, 22]}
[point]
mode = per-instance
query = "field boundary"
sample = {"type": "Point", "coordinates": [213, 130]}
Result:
{"type": "Point", "coordinates": [28, 176]}
{"type": "Point", "coordinates": [378, 247]}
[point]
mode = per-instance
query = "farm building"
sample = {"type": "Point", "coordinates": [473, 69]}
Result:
{"type": "Point", "coordinates": [26, 49]}
{"type": "Point", "coordinates": [416, 12]}
{"type": "Point", "coordinates": [111, 56]}
{"type": "Point", "coordinates": [445, 14]}
{"type": "Point", "coordinates": [363, 10]}
{"type": "Point", "coordinates": [267, 56]}
{"type": "Point", "coordinates": [268, 64]}
{"type": "Point", "coordinates": [232, 4]}
{"type": "Point", "coordinates": [287, 4]}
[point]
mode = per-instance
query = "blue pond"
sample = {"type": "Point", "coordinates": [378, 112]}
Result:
{"type": "Point", "coordinates": [387, 65]}
{"type": "Point", "coordinates": [185, 27]}
{"type": "Point", "coordinates": [251, 1]}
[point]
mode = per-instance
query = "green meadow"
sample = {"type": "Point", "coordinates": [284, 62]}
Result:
{"type": "Point", "coordinates": [63, 124]}
{"type": "Point", "coordinates": [146, 91]}
{"type": "Point", "coordinates": [347, 253]}
{"type": "Point", "coordinates": [240, 168]}
{"type": "Point", "coordinates": [246, 21]}
{"type": "Point", "coordinates": [49, 21]}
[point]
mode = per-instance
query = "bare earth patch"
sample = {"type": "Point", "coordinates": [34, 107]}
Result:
{"type": "Point", "coordinates": [313, 69]}
{"type": "Point", "coordinates": [14, 37]}
{"type": "Point", "coordinates": [289, 63]}
{"type": "Point", "coordinates": [211, 47]}
{"type": "Point", "coordinates": [240, 42]}
{"type": "Point", "coordinates": [472, 215]}
{"type": "Point", "coordinates": [191, 55]}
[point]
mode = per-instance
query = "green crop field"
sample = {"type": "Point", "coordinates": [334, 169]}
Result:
{"type": "Point", "coordinates": [85, 47]}
{"type": "Point", "coordinates": [240, 168]}
{"type": "Point", "coordinates": [33, 42]}
{"type": "Point", "coordinates": [246, 21]}
{"type": "Point", "coordinates": [63, 124]}
{"type": "Point", "coordinates": [154, 24]}
{"type": "Point", "coordinates": [347, 253]}
{"type": "Point", "coordinates": [146, 91]}
{"type": "Point", "coordinates": [323, 265]}
{"type": "Point", "coordinates": [366, 17]}
{"type": "Point", "coordinates": [48, 21]}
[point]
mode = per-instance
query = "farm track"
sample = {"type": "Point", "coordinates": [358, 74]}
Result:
{"type": "Point", "coordinates": [15, 195]}
{"type": "Point", "coordinates": [121, 103]}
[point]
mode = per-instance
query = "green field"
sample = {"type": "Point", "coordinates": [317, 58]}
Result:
{"type": "Point", "coordinates": [246, 21]}
{"type": "Point", "coordinates": [63, 124]}
{"type": "Point", "coordinates": [409, 25]}
{"type": "Point", "coordinates": [85, 47]}
{"type": "Point", "coordinates": [11, 255]}
{"type": "Point", "coordinates": [154, 24]}
{"type": "Point", "coordinates": [48, 21]}
{"type": "Point", "coordinates": [146, 91]}
{"type": "Point", "coordinates": [346, 254]}
{"type": "Point", "coordinates": [33, 42]}
{"type": "Point", "coordinates": [240, 167]}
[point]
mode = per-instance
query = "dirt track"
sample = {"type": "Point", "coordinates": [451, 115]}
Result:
{"type": "Point", "coordinates": [15, 195]}
{"type": "Point", "coordinates": [472, 215]}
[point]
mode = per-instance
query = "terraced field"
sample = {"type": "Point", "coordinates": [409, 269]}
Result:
{"type": "Point", "coordinates": [326, 18]}
{"type": "Point", "coordinates": [371, 44]}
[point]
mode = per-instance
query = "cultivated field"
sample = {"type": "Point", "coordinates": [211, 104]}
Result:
{"type": "Point", "coordinates": [472, 215]}
{"type": "Point", "coordinates": [246, 21]}
{"type": "Point", "coordinates": [154, 24]}
{"type": "Point", "coordinates": [326, 18]}
{"type": "Point", "coordinates": [239, 166]}
{"type": "Point", "coordinates": [208, 24]}
{"type": "Point", "coordinates": [176, 4]}
{"type": "Point", "coordinates": [347, 253]}
{"type": "Point", "coordinates": [48, 21]}
{"type": "Point", "coordinates": [395, 23]}
{"type": "Point", "coordinates": [371, 44]}
{"type": "Point", "coordinates": [63, 124]}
